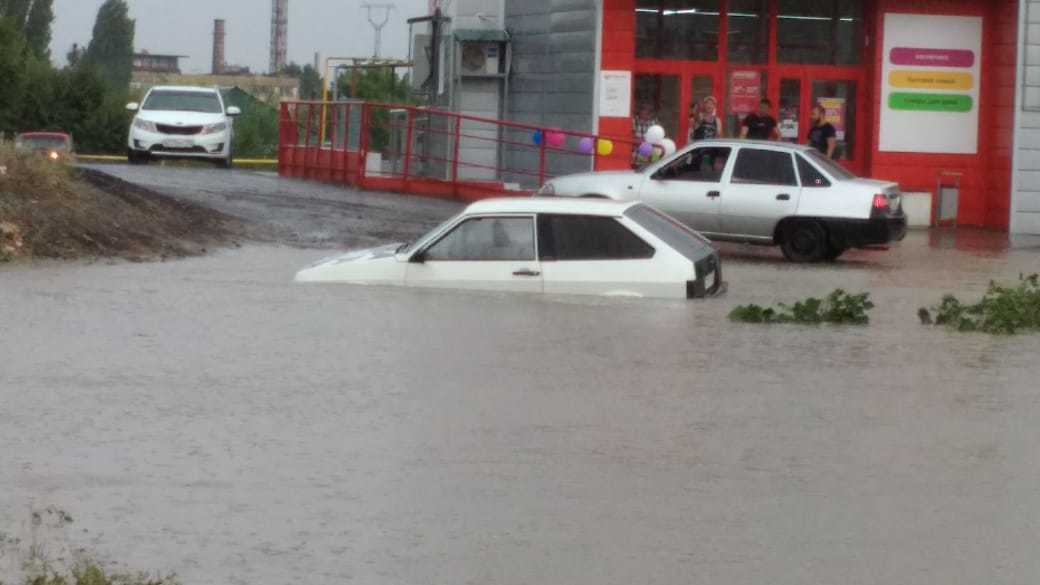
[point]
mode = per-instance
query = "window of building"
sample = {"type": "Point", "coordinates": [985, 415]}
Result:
{"type": "Point", "coordinates": [820, 32]}
{"type": "Point", "coordinates": [486, 238]}
{"type": "Point", "coordinates": [748, 23]}
{"type": "Point", "coordinates": [580, 237]}
{"type": "Point", "coordinates": [685, 30]}
{"type": "Point", "coordinates": [661, 94]}
{"type": "Point", "coordinates": [764, 167]}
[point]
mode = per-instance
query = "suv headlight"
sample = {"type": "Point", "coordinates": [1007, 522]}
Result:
{"type": "Point", "coordinates": [145, 125]}
{"type": "Point", "coordinates": [547, 190]}
{"type": "Point", "coordinates": [215, 128]}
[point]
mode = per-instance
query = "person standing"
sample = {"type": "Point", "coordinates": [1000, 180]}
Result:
{"type": "Point", "coordinates": [644, 119]}
{"type": "Point", "coordinates": [761, 126]}
{"type": "Point", "coordinates": [823, 137]}
{"type": "Point", "coordinates": [705, 123]}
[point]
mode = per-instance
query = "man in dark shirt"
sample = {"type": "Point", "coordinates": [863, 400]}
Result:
{"type": "Point", "coordinates": [760, 126]}
{"type": "Point", "coordinates": [822, 137]}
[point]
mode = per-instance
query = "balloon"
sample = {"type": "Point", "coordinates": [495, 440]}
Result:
{"type": "Point", "coordinates": [586, 146]}
{"type": "Point", "coordinates": [654, 135]}
{"type": "Point", "coordinates": [604, 147]}
{"type": "Point", "coordinates": [645, 149]}
{"type": "Point", "coordinates": [669, 146]}
{"type": "Point", "coordinates": [555, 139]}
{"type": "Point", "coordinates": [537, 137]}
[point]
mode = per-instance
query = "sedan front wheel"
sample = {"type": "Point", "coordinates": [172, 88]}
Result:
{"type": "Point", "coordinates": [805, 241]}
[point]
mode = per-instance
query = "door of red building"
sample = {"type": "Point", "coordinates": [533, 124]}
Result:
{"type": "Point", "coordinates": [672, 90]}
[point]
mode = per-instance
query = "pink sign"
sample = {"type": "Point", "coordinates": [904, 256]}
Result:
{"type": "Point", "coordinates": [745, 91]}
{"type": "Point", "coordinates": [932, 57]}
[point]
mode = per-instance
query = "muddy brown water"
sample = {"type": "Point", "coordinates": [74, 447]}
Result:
{"type": "Point", "coordinates": [209, 417]}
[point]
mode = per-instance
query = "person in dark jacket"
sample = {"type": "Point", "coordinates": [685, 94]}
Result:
{"type": "Point", "coordinates": [761, 126]}
{"type": "Point", "coordinates": [823, 137]}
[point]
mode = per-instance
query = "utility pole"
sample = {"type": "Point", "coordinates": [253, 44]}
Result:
{"type": "Point", "coordinates": [378, 24]}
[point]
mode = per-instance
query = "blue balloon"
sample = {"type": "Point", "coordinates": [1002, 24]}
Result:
{"type": "Point", "coordinates": [537, 137]}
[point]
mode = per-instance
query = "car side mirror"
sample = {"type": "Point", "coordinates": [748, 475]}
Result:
{"type": "Point", "coordinates": [234, 111]}
{"type": "Point", "coordinates": [133, 107]}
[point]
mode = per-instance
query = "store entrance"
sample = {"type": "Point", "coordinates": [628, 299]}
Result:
{"type": "Point", "coordinates": [800, 91]}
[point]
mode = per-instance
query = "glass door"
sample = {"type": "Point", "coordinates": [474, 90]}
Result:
{"type": "Point", "coordinates": [790, 118]}
{"type": "Point", "coordinates": [838, 100]}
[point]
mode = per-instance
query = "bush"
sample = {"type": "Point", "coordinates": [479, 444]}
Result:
{"type": "Point", "coordinates": [838, 307]}
{"type": "Point", "coordinates": [1001, 311]}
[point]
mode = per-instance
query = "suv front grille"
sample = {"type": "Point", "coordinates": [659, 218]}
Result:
{"type": "Point", "coordinates": [179, 130]}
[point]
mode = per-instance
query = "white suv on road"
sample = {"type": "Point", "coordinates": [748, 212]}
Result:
{"type": "Point", "coordinates": [182, 122]}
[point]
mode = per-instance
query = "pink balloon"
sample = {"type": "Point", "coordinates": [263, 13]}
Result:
{"type": "Point", "coordinates": [586, 145]}
{"type": "Point", "coordinates": [555, 139]}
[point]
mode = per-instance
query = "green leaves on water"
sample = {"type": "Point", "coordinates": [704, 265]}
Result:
{"type": "Point", "coordinates": [1003, 310]}
{"type": "Point", "coordinates": [838, 307]}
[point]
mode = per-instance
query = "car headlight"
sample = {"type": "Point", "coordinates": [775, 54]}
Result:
{"type": "Point", "coordinates": [145, 125]}
{"type": "Point", "coordinates": [215, 128]}
{"type": "Point", "coordinates": [547, 190]}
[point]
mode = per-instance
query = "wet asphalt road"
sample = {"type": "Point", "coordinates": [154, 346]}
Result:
{"type": "Point", "coordinates": [209, 417]}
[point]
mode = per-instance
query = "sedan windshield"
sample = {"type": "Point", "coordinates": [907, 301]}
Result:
{"type": "Point", "coordinates": [183, 101]}
{"type": "Point", "coordinates": [42, 142]}
{"type": "Point", "coordinates": [832, 168]}
{"type": "Point", "coordinates": [408, 247]}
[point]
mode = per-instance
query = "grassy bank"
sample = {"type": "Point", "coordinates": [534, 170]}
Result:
{"type": "Point", "coordinates": [49, 210]}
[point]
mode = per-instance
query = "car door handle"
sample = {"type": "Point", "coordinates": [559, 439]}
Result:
{"type": "Point", "coordinates": [714, 194]}
{"type": "Point", "coordinates": [526, 272]}
{"type": "Point", "coordinates": [783, 197]}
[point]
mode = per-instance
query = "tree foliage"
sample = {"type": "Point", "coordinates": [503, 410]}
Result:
{"type": "Point", "coordinates": [310, 83]}
{"type": "Point", "coordinates": [38, 28]}
{"type": "Point", "coordinates": [112, 47]}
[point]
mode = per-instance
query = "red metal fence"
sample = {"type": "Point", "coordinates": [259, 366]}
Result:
{"type": "Point", "coordinates": [419, 150]}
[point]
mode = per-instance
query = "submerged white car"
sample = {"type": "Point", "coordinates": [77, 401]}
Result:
{"type": "Point", "coordinates": [770, 193]}
{"type": "Point", "coordinates": [546, 245]}
{"type": "Point", "coordinates": [182, 122]}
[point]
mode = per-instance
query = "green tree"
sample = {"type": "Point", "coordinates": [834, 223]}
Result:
{"type": "Point", "coordinates": [75, 55]}
{"type": "Point", "coordinates": [112, 46]}
{"type": "Point", "coordinates": [17, 10]}
{"type": "Point", "coordinates": [13, 56]}
{"type": "Point", "coordinates": [310, 83]}
{"type": "Point", "coordinates": [38, 28]}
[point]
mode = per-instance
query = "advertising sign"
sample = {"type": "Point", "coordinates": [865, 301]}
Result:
{"type": "Point", "coordinates": [835, 113]}
{"type": "Point", "coordinates": [930, 84]}
{"type": "Point", "coordinates": [745, 91]}
{"type": "Point", "coordinates": [615, 94]}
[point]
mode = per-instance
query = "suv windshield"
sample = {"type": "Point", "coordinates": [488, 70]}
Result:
{"type": "Point", "coordinates": [829, 166]}
{"type": "Point", "coordinates": [183, 101]}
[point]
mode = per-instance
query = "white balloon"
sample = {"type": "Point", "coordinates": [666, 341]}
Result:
{"type": "Point", "coordinates": [669, 146]}
{"type": "Point", "coordinates": [654, 135]}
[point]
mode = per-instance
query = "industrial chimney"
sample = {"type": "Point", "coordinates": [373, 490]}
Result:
{"type": "Point", "coordinates": [279, 34]}
{"type": "Point", "coordinates": [219, 34]}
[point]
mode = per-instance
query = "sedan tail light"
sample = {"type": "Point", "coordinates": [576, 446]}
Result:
{"type": "Point", "coordinates": [880, 203]}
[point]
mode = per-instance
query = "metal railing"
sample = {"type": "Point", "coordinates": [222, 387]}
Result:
{"type": "Point", "coordinates": [420, 150]}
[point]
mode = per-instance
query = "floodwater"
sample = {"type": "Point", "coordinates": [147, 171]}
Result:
{"type": "Point", "coordinates": [210, 417]}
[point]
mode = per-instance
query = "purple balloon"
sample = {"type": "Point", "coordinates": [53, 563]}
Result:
{"type": "Point", "coordinates": [646, 149]}
{"type": "Point", "coordinates": [586, 145]}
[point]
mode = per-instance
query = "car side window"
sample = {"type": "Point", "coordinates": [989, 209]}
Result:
{"type": "Point", "coordinates": [486, 238]}
{"type": "Point", "coordinates": [700, 164]}
{"type": "Point", "coordinates": [811, 176]}
{"type": "Point", "coordinates": [584, 237]}
{"type": "Point", "coordinates": [764, 167]}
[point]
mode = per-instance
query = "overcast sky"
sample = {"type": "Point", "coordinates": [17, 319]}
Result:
{"type": "Point", "coordinates": [336, 28]}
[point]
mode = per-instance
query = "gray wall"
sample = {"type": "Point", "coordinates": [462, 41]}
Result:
{"type": "Point", "coordinates": [553, 81]}
{"type": "Point", "coordinates": [1025, 200]}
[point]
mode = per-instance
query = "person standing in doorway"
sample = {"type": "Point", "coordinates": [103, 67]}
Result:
{"type": "Point", "coordinates": [644, 119]}
{"type": "Point", "coordinates": [705, 122]}
{"type": "Point", "coordinates": [823, 137]}
{"type": "Point", "coordinates": [761, 126]}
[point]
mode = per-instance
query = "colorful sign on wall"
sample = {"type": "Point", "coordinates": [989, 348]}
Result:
{"type": "Point", "coordinates": [930, 84]}
{"type": "Point", "coordinates": [745, 91]}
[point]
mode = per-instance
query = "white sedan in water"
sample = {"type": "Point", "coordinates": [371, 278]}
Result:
{"type": "Point", "coordinates": [543, 245]}
{"type": "Point", "coordinates": [760, 193]}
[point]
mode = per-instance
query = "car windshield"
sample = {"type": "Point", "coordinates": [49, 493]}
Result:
{"type": "Point", "coordinates": [409, 246]}
{"type": "Point", "coordinates": [829, 166]}
{"type": "Point", "coordinates": [183, 101]}
{"type": "Point", "coordinates": [43, 142]}
{"type": "Point", "coordinates": [687, 242]}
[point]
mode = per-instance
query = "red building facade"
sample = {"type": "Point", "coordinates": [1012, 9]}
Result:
{"type": "Point", "coordinates": [800, 53]}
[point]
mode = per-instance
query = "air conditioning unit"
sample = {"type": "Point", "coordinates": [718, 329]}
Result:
{"type": "Point", "coordinates": [481, 58]}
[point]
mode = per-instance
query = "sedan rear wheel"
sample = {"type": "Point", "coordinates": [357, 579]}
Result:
{"type": "Point", "coordinates": [805, 241]}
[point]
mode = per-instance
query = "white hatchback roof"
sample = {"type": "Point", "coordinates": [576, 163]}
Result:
{"type": "Point", "coordinates": [194, 88]}
{"type": "Point", "coordinates": [605, 207]}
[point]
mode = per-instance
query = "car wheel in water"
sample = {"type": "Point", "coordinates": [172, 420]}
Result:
{"type": "Point", "coordinates": [805, 241]}
{"type": "Point", "coordinates": [834, 252]}
{"type": "Point", "coordinates": [136, 157]}
{"type": "Point", "coordinates": [227, 163]}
